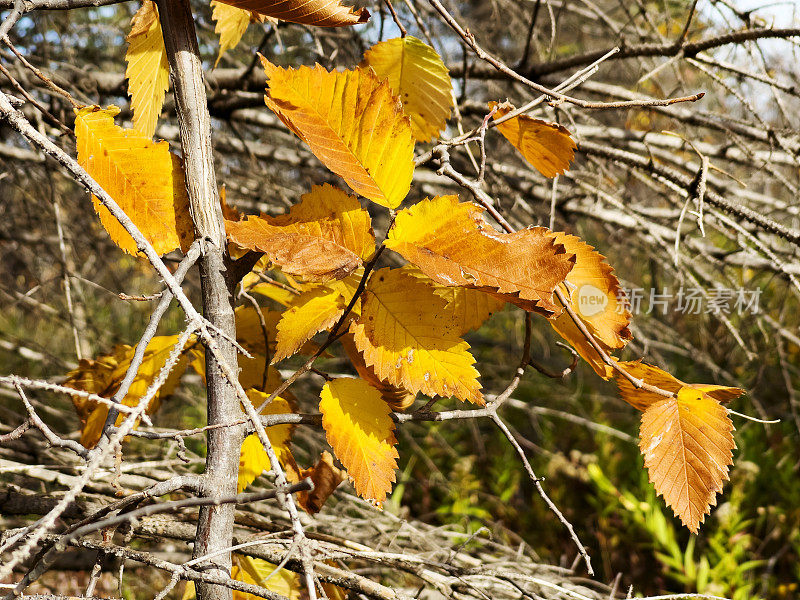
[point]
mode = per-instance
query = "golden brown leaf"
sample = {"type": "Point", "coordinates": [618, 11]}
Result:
{"type": "Point", "coordinates": [359, 429]}
{"type": "Point", "coordinates": [641, 399]}
{"type": "Point", "coordinates": [326, 477]}
{"type": "Point", "coordinates": [352, 122]}
{"type": "Point", "coordinates": [597, 299]}
{"type": "Point", "coordinates": [325, 236]}
{"type": "Point", "coordinates": [332, 214]}
{"type": "Point", "coordinates": [143, 177]}
{"type": "Point", "coordinates": [687, 443]}
{"type": "Point", "coordinates": [547, 146]}
{"type": "Point", "coordinates": [406, 336]}
{"type": "Point", "coordinates": [321, 13]}
{"type": "Point", "coordinates": [103, 376]}
{"type": "Point", "coordinates": [295, 251]}
{"type": "Point", "coordinates": [452, 244]}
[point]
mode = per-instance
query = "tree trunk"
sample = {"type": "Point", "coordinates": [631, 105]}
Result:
{"type": "Point", "coordinates": [215, 525]}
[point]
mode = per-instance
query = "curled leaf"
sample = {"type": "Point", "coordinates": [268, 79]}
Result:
{"type": "Point", "coordinates": [547, 146]}
{"type": "Point", "coordinates": [294, 250]}
{"type": "Point", "coordinates": [452, 243]}
{"type": "Point", "coordinates": [597, 298]}
{"type": "Point", "coordinates": [321, 13]}
{"type": "Point", "coordinates": [641, 399]}
{"type": "Point", "coordinates": [326, 477]}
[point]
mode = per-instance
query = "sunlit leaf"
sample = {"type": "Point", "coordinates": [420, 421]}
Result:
{"type": "Point", "coordinates": [452, 243]}
{"type": "Point", "coordinates": [547, 146]}
{"type": "Point", "coordinates": [325, 236]}
{"type": "Point", "coordinates": [332, 214]}
{"type": "Point", "coordinates": [312, 312]}
{"type": "Point", "coordinates": [687, 443]}
{"type": "Point", "coordinates": [597, 299]}
{"type": "Point", "coordinates": [641, 399]}
{"type": "Point", "coordinates": [231, 24]}
{"type": "Point", "coordinates": [103, 376]}
{"type": "Point", "coordinates": [352, 122]}
{"type": "Point", "coordinates": [142, 176]}
{"type": "Point", "coordinates": [406, 335]}
{"type": "Point", "coordinates": [253, 458]}
{"type": "Point", "coordinates": [293, 249]}
{"type": "Point", "coordinates": [421, 80]}
{"type": "Point", "coordinates": [361, 432]}
{"type": "Point", "coordinates": [147, 68]}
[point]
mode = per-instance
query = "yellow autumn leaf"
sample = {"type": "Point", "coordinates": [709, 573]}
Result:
{"type": "Point", "coordinates": [421, 80]}
{"type": "Point", "coordinates": [352, 122]}
{"type": "Point", "coordinates": [274, 290]}
{"type": "Point", "coordinates": [546, 146]}
{"type": "Point", "coordinates": [597, 299]}
{"type": "Point", "coordinates": [312, 312]}
{"type": "Point", "coordinates": [232, 22]}
{"type": "Point", "coordinates": [397, 398]}
{"type": "Point", "coordinates": [469, 308]}
{"type": "Point", "coordinates": [321, 13]}
{"type": "Point", "coordinates": [253, 458]}
{"type": "Point", "coordinates": [359, 429]}
{"type": "Point", "coordinates": [262, 573]}
{"type": "Point", "coordinates": [147, 68]}
{"type": "Point", "coordinates": [103, 376]}
{"type": "Point", "coordinates": [406, 335]}
{"type": "Point", "coordinates": [641, 399]}
{"type": "Point", "coordinates": [687, 443]}
{"type": "Point", "coordinates": [454, 245]}
{"type": "Point", "coordinates": [256, 328]}
{"type": "Point", "coordinates": [142, 176]}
